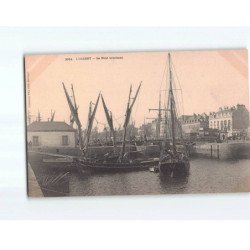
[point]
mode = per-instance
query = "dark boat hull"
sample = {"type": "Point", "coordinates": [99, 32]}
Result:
{"type": "Point", "coordinates": [175, 168]}
{"type": "Point", "coordinates": [45, 161]}
{"type": "Point", "coordinates": [116, 167]}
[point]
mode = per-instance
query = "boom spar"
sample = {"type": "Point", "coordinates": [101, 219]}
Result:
{"type": "Point", "coordinates": [127, 118]}
{"type": "Point", "coordinates": [110, 122]}
{"type": "Point", "coordinates": [74, 114]}
{"type": "Point", "coordinates": [91, 118]}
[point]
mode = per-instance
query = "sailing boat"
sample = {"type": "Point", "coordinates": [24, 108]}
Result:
{"type": "Point", "coordinates": [173, 162]}
{"type": "Point", "coordinates": [91, 117]}
{"type": "Point", "coordinates": [62, 161]}
{"type": "Point", "coordinates": [74, 114]}
{"type": "Point", "coordinates": [117, 162]}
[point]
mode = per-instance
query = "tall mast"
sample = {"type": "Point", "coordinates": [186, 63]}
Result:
{"type": "Point", "coordinates": [74, 114]}
{"type": "Point", "coordinates": [74, 104]}
{"type": "Point", "coordinates": [71, 120]}
{"type": "Point", "coordinates": [90, 112]}
{"type": "Point", "coordinates": [39, 116]}
{"type": "Point", "coordinates": [144, 129]}
{"type": "Point", "coordinates": [127, 117]}
{"type": "Point", "coordinates": [110, 122]}
{"type": "Point", "coordinates": [52, 115]}
{"type": "Point", "coordinates": [125, 125]}
{"type": "Point", "coordinates": [91, 120]}
{"type": "Point", "coordinates": [73, 93]}
{"type": "Point", "coordinates": [171, 99]}
{"type": "Point", "coordinates": [159, 119]}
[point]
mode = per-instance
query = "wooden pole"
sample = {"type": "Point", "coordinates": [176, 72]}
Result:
{"type": "Point", "coordinates": [125, 126]}
{"type": "Point", "coordinates": [218, 151]}
{"type": "Point", "coordinates": [172, 106]}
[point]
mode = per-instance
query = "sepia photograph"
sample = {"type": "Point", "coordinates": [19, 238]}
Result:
{"type": "Point", "coordinates": [120, 121]}
{"type": "Point", "coordinates": [137, 123]}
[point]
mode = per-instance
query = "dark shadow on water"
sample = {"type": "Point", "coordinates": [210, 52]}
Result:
{"type": "Point", "coordinates": [52, 182]}
{"type": "Point", "coordinates": [169, 183]}
{"type": "Point", "coordinates": [54, 185]}
{"type": "Point", "coordinates": [206, 175]}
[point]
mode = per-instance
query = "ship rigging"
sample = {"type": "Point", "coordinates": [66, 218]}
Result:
{"type": "Point", "coordinates": [172, 161]}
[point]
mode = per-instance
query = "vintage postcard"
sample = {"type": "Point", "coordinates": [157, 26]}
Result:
{"type": "Point", "coordinates": [172, 122]}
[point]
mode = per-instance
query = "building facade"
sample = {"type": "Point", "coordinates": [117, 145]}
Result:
{"type": "Point", "coordinates": [232, 121]}
{"type": "Point", "coordinates": [193, 125]}
{"type": "Point", "coordinates": [51, 134]}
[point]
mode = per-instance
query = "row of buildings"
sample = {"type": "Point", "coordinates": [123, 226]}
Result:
{"type": "Point", "coordinates": [227, 122]}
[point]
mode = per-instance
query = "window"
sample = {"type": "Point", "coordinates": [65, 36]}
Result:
{"type": "Point", "coordinates": [229, 124]}
{"type": "Point", "coordinates": [221, 125]}
{"type": "Point", "coordinates": [65, 140]}
{"type": "Point", "coordinates": [35, 141]}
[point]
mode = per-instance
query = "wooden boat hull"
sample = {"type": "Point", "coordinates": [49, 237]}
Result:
{"type": "Point", "coordinates": [116, 167]}
{"type": "Point", "coordinates": [58, 160]}
{"type": "Point", "coordinates": [47, 161]}
{"type": "Point", "coordinates": [175, 168]}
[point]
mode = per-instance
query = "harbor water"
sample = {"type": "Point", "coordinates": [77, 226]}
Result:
{"type": "Point", "coordinates": [206, 176]}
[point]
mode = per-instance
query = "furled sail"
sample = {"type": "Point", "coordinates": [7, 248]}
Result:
{"type": "Point", "coordinates": [127, 118]}
{"type": "Point", "coordinates": [74, 115]}
{"type": "Point", "coordinates": [91, 118]}
{"type": "Point", "coordinates": [110, 122]}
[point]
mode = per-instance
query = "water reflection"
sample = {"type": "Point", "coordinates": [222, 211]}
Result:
{"type": "Point", "coordinates": [176, 184]}
{"type": "Point", "coordinates": [54, 184]}
{"type": "Point", "coordinates": [100, 184]}
{"type": "Point", "coordinates": [205, 176]}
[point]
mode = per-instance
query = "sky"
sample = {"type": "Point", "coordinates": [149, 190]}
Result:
{"type": "Point", "coordinates": [204, 81]}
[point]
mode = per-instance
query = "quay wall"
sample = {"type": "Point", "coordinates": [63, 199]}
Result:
{"type": "Point", "coordinates": [74, 151]}
{"type": "Point", "coordinates": [230, 150]}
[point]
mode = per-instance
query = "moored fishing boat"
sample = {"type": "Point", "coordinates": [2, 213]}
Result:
{"type": "Point", "coordinates": [51, 161]}
{"type": "Point", "coordinates": [172, 161]}
{"type": "Point", "coordinates": [117, 161]}
{"type": "Point", "coordinates": [114, 167]}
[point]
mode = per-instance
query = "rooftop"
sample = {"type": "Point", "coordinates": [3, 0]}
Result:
{"type": "Point", "coordinates": [49, 126]}
{"type": "Point", "coordinates": [228, 110]}
{"type": "Point", "coordinates": [194, 117]}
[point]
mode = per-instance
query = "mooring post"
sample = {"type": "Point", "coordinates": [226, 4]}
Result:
{"type": "Point", "coordinates": [211, 151]}
{"type": "Point", "coordinates": [218, 151]}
